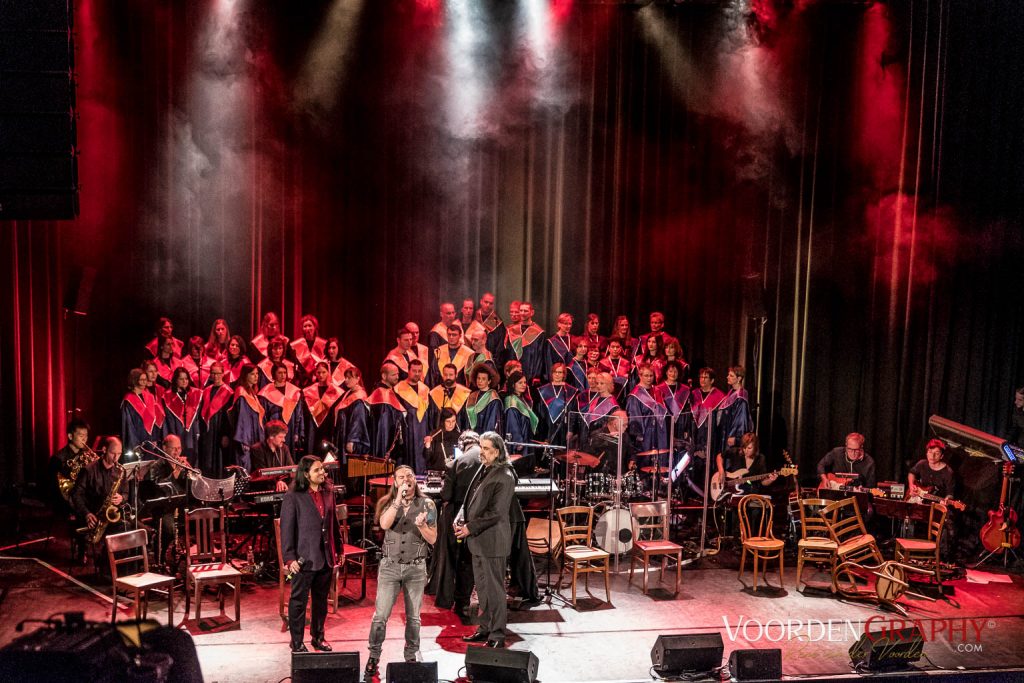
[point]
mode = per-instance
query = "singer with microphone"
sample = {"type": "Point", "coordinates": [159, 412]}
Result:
{"type": "Point", "coordinates": [409, 520]}
{"type": "Point", "coordinates": [309, 538]}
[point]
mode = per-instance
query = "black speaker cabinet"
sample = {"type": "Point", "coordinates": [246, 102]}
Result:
{"type": "Point", "coordinates": [881, 650]}
{"type": "Point", "coordinates": [492, 665]}
{"type": "Point", "coordinates": [324, 667]}
{"type": "Point", "coordinates": [412, 672]}
{"type": "Point", "coordinates": [756, 665]}
{"type": "Point", "coordinates": [699, 652]}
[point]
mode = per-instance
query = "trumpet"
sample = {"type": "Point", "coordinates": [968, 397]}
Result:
{"type": "Point", "coordinates": [84, 458]}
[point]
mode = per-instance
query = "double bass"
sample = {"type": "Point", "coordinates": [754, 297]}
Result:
{"type": "Point", "coordinates": [1001, 530]}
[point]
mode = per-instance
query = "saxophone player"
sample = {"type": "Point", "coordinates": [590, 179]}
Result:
{"type": "Point", "coordinates": [93, 487]}
{"type": "Point", "coordinates": [62, 461]}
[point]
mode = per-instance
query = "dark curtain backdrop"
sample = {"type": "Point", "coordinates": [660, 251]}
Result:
{"type": "Point", "coordinates": [852, 172]}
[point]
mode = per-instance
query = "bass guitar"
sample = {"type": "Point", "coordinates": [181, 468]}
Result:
{"type": "Point", "coordinates": [734, 479]}
{"type": "Point", "coordinates": [1000, 531]}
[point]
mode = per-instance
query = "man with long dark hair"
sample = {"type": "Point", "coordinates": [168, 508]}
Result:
{"type": "Point", "coordinates": [309, 536]}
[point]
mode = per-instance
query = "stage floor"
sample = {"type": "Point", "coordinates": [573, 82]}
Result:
{"type": "Point", "coordinates": [980, 629]}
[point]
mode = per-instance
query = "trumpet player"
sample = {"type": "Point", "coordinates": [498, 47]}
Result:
{"type": "Point", "coordinates": [92, 488]}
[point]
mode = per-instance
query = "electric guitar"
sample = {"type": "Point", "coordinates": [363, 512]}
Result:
{"type": "Point", "coordinates": [924, 493]}
{"type": "Point", "coordinates": [1001, 532]}
{"type": "Point", "coordinates": [733, 480]}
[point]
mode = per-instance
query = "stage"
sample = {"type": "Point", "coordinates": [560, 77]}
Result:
{"type": "Point", "coordinates": [598, 642]}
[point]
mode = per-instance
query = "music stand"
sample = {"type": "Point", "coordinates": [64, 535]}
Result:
{"type": "Point", "coordinates": [134, 471]}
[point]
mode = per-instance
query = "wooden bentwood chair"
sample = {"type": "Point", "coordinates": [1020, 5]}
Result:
{"type": "Point", "coordinates": [924, 553]}
{"type": "Point", "coordinates": [650, 539]}
{"type": "Point", "coordinates": [815, 545]}
{"type": "Point", "coordinates": [575, 523]}
{"type": "Point", "coordinates": [133, 544]}
{"type": "Point", "coordinates": [758, 539]}
{"type": "Point", "coordinates": [853, 542]}
{"type": "Point", "coordinates": [206, 540]}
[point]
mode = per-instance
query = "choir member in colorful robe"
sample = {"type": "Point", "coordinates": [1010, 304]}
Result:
{"type": "Point", "coordinates": [270, 329]}
{"type": "Point", "coordinates": [217, 343]}
{"type": "Point", "coordinates": [592, 335]}
{"type": "Point", "coordinates": [477, 342]}
{"type": "Point", "coordinates": [487, 319]}
{"type": "Point", "coordinates": [415, 397]}
{"type": "Point", "coordinates": [165, 330]}
{"type": "Point", "coordinates": [734, 411]}
{"type": "Point", "coordinates": [387, 415]}
{"type": "Point", "coordinates": [282, 401]}
{"type": "Point", "coordinates": [675, 396]}
{"type": "Point", "coordinates": [156, 393]}
{"type": "Point", "coordinates": [616, 365]}
{"type": "Point", "coordinates": [310, 348]}
{"type": "Point", "coordinates": [166, 364]}
{"type": "Point", "coordinates": [197, 363]}
{"type": "Point", "coordinates": [449, 394]}
{"type": "Point", "coordinates": [595, 412]}
{"type": "Point", "coordinates": [318, 401]}
{"type": "Point", "coordinates": [653, 356]}
{"type": "Point", "coordinates": [625, 335]}
{"type": "Point", "coordinates": [466, 314]}
{"type": "Point", "coordinates": [236, 360]}
{"type": "Point", "coordinates": [215, 424]}
{"type": "Point", "coordinates": [525, 343]}
{"type": "Point", "coordinates": [352, 415]}
{"type": "Point", "coordinates": [439, 332]}
{"type": "Point", "coordinates": [576, 368]}
{"type": "Point", "coordinates": [138, 413]}
{"type": "Point", "coordinates": [559, 345]}
{"type": "Point", "coordinates": [521, 422]}
{"type": "Point", "coordinates": [422, 352]}
{"type": "Point", "coordinates": [674, 352]}
{"type": "Point", "coordinates": [556, 398]}
{"type": "Point", "coordinates": [276, 351]}
{"type": "Point", "coordinates": [403, 352]}
{"type": "Point", "coordinates": [646, 414]}
{"type": "Point", "coordinates": [657, 323]}
{"type": "Point", "coordinates": [247, 414]}
{"type": "Point", "coordinates": [337, 363]}
{"type": "Point", "coordinates": [181, 409]}
{"type": "Point", "coordinates": [704, 403]}
{"type": "Point", "coordinates": [484, 407]}
{"type": "Point", "coordinates": [451, 352]}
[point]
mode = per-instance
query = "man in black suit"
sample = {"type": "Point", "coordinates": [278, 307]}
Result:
{"type": "Point", "coordinates": [272, 451]}
{"type": "Point", "coordinates": [488, 534]}
{"type": "Point", "coordinates": [309, 537]}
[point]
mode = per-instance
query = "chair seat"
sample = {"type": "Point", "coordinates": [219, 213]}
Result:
{"type": "Point", "coordinates": [143, 580]}
{"type": "Point", "coordinates": [855, 543]}
{"type": "Point", "coordinates": [657, 546]}
{"type": "Point", "coordinates": [817, 543]}
{"type": "Point", "coordinates": [351, 550]}
{"type": "Point", "coordinates": [915, 545]}
{"type": "Point", "coordinates": [583, 553]}
{"type": "Point", "coordinates": [761, 543]}
{"type": "Point", "coordinates": [212, 571]}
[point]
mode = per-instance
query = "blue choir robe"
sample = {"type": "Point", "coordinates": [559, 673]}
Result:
{"type": "Point", "coordinates": [676, 400]}
{"type": "Point", "coordinates": [182, 419]}
{"type": "Point", "coordinates": [199, 372]}
{"type": "Point", "coordinates": [248, 413]}
{"type": "Point", "coordinates": [165, 371]}
{"type": "Point", "coordinates": [493, 327]}
{"type": "Point", "coordinates": [484, 411]}
{"type": "Point", "coordinates": [266, 367]}
{"type": "Point", "coordinates": [443, 355]}
{"type": "Point", "coordinates": [436, 338]}
{"type": "Point", "coordinates": [646, 419]}
{"type": "Point", "coordinates": [620, 368]}
{"type": "Point", "coordinates": [595, 413]}
{"type": "Point", "coordinates": [734, 419]}
{"type": "Point", "coordinates": [214, 426]}
{"type": "Point", "coordinates": [138, 419]}
{"type": "Point", "coordinates": [521, 422]}
{"type": "Point", "coordinates": [387, 415]}
{"type": "Point", "coordinates": [352, 422]}
{"type": "Point", "coordinates": [576, 374]}
{"type": "Point", "coordinates": [526, 346]}
{"type": "Point", "coordinates": [338, 368]}
{"type": "Point", "coordinates": [704, 407]}
{"type": "Point", "coordinates": [308, 355]}
{"type": "Point", "coordinates": [558, 349]}
{"type": "Point", "coordinates": [553, 411]}
{"type": "Point", "coordinates": [454, 398]}
{"type": "Point", "coordinates": [260, 343]}
{"type": "Point", "coordinates": [400, 359]}
{"type": "Point", "coordinates": [416, 401]}
{"type": "Point", "coordinates": [318, 416]}
{"type": "Point", "coordinates": [233, 370]}
{"type": "Point", "coordinates": [285, 405]}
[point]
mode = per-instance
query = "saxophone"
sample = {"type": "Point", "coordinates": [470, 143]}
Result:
{"type": "Point", "coordinates": [108, 512]}
{"type": "Point", "coordinates": [85, 457]}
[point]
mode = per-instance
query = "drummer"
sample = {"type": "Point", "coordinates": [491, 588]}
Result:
{"type": "Point", "coordinates": [604, 443]}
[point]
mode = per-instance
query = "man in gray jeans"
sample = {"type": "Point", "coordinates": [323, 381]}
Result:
{"type": "Point", "coordinates": [409, 520]}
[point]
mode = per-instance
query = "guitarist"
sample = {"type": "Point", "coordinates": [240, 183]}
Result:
{"type": "Point", "coordinates": [931, 473]}
{"type": "Point", "coordinates": [850, 458]}
{"type": "Point", "coordinates": [745, 456]}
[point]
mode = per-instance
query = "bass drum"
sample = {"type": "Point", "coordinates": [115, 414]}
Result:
{"type": "Point", "coordinates": [614, 531]}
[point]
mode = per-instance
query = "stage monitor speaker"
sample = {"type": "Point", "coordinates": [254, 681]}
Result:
{"type": "Point", "coordinates": [38, 135]}
{"type": "Point", "coordinates": [325, 667]}
{"type": "Point", "coordinates": [753, 296]}
{"type": "Point", "coordinates": [756, 665]}
{"type": "Point", "coordinates": [79, 290]}
{"type": "Point", "coordinates": [699, 652]}
{"type": "Point", "coordinates": [889, 649]}
{"type": "Point", "coordinates": [495, 665]}
{"type": "Point", "coordinates": [412, 672]}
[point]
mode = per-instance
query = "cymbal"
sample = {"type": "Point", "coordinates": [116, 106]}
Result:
{"type": "Point", "coordinates": [651, 469]}
{"type": "Point", "coordinates": [579, 457]}
{"type": "Point", "coordinates": [512, 457]}
{"type": "Point", "coordinates": [653, 451]}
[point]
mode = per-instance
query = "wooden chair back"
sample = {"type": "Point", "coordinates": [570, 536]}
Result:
{"type": "Point", "coordinates": [763, 527]}
{"type": "Point", "coordinates": [132, 547]}
{"type": "Point", "coordinates": [937, 522]}
{"type": "Point", "coordinates": [842, 517]}
{"type": "Point", "coordinates": [812, 524]}
{"type": "Point", "coordinates": [576, 524]}
{"type": "Point", "coordinates": [650, 520]}
{"type": "Point", "coordinates": [537, 536]}
{"type": "Point", "coordinates": [204, 530]}
{"type": "Point", "coordinates": [277, 542]}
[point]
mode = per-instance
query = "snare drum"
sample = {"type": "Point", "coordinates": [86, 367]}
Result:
{"type": "Point", "coordinates": [631, 487]}
{"type": "Point", "coordinates": [614, 531]}
{"type": "Point", "coordinates": [599, 485]}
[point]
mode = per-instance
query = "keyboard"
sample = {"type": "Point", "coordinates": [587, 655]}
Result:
{"type": "Point", "coordinates": [525, 488]}
{"type": "Point", "coordinates": [288, 469]}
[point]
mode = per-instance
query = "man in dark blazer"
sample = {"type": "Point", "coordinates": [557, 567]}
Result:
{"type": "Point", "coordinates": [272, 451]}
{"type": "Point", "coordinates": [488, 534]}
{"type": "Point", "coordinates": [309, 538]}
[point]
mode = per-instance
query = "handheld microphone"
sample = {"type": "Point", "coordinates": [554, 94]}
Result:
{"type": "Point", "coordinates": [291, 575]}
